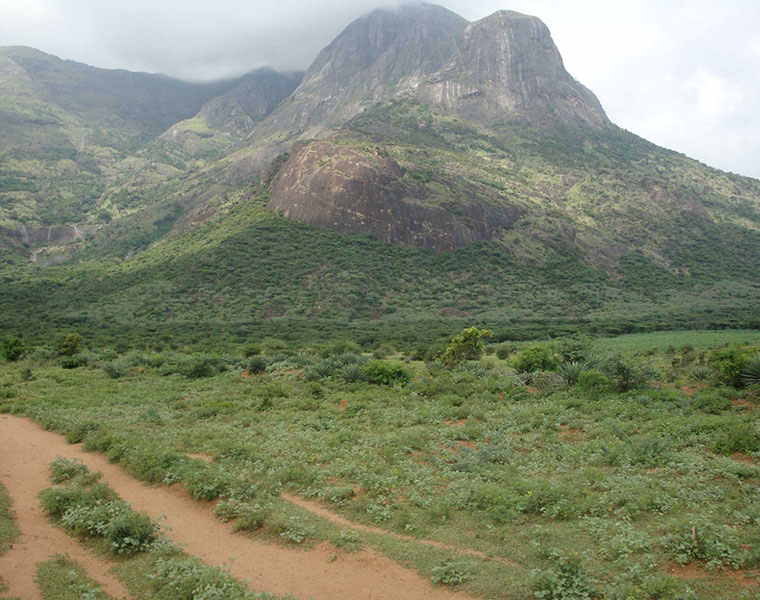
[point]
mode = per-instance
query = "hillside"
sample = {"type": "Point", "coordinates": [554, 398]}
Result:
{"type": "Point", "coordinates": [424, 170]}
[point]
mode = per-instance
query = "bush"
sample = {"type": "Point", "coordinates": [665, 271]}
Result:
{"type": "Point", "coordinates": [384, 373]}
{"type": "Point", "coordinates": [130, 532]}
{"type": "Point", "coordinates": [383, 351]}
{"type": "Point", "coordinates": [704, 541]}
{"type": "Point", "coordinates": [711, 403]}
{"type": "Point", "coordinates": [538, 358]}
{"type": "Point", "coordinates": [64, 469]}
{"type": "Point", "coordinates": [738, 437]}
{"type": "Point", "coordinates": [12, 348]}
{"type": "Point", "coordinates": [115, 369]}
{"type": "Point", "coordinates": [626, 375]}
{"type": "Point", "coordinates": [593, 382]}
{"type": "Point", "coordinates": [256, 364]}
{"type": "Point", "coordinates": [69, 344]}
{"type": "Point", "coordinates": [251, 350]}
{"type": "Point", "coordinates": [202, 366]}
{"type": "Point", "coordinates": [503, 351]}
{"type": "Point", "coordinates": [75, 361]}
{"type": "Point", "coordinates": [189, 579]}
{"type": "Point", "coordinates": [451, 573]}
{"type": "Point", "coordinates": [566, 581]}
{"type": "Point", "coordinates": [729, 363]}
{"type": "Point", "coordinates": [573, 349]}
{"type": "Point", "coordinates": [468, 345]}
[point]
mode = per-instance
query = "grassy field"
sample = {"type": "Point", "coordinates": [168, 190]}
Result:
{"type": "Point", "coordinates": [621, 468]}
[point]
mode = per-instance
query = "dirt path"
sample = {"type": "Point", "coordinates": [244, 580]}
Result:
{"type": "Point", "coordinates": [364, 575]}
{"type": "Point", "coordinates": [24, 472]}
{"type": "Point", "coordinates": [319, 510]}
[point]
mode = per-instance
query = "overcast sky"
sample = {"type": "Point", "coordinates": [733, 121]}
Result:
{"type": "Point", "coordinates": [682, 73]}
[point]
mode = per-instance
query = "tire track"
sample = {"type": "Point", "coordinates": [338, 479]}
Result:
{"type": "Point", "coordinates": [366, 575]}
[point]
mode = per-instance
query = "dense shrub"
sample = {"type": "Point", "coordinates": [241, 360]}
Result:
{"type": "Point", "coordinates": [593, 381]}
{"type": "Point", "coordinates": [537, 358]}
{"type": "Point", "coordinates": [256, 364]}
{"type": "Point", "coordinates": [69, 344]}
{"type": "Point", "coordinates": [75, 361]}
{"type": "Point", "coordinates": [738, 437]}
{"type": "Point", "coordinates": [711, 402]}
{"type": "Point", "coordinates": [64, 469]}
{"type": "Point", "coordinates": [115, 369]}
{"type": "Point", "coordinates": [625, 374]}
{"type": "Point", "coordinates": [466, 346]}
{"type": "Point", "coordinates": [385, 373]}
{"type": "Point", "coordinates": [568, 580]}
{"type": "Point", "coordinates": [729, 363]}
{"type": "Point", "coordinates": [12, 348]}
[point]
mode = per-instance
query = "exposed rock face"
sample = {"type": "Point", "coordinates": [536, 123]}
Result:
{"type": "Point", "coordinates": [499, 70]}
{"type": "Point", "coordinates": [506, 66]}
{"type": "Point", "coordinates": [342, 188]}
{"type": "Point", "coordinates": [373, 58]}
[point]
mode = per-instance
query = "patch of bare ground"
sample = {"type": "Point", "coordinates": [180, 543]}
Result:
{"type": "Point", "coordinates": [744, 458]}
{"type": "Point", "coordinates": [318, 509]}
{"type": "Point", "coordinates": [303, 573]}
{"type": "Point", "coordinates": [24, 473]}
{"type": "Point", "coordinates": [744, 577]}
{"type": "Point", "coordinates": [570, 435]}
{"type": "Point", "coordinates": [740, 402]}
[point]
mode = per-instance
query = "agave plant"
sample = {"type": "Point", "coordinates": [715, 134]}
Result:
{"type": "Point", "coordinates": [571, 371]}
{"type": "Point", "coordinates": [750, 374]}
{"type": "Point", "coordinates": [352, 373]}
{"type": "Point", "coordinates": [701, 373]}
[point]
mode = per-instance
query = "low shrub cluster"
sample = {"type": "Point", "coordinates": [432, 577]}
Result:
{"type": "Point", "coordinates": [94, 510]}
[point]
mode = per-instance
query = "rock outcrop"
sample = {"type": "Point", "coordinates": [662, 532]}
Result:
{"type": "Point", "coordinates": [507, 67]}
{"type": "Point", "coordinates": [353, 190]}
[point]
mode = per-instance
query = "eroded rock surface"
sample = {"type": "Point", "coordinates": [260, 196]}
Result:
{"type": "Point", "coordinates": [356, 191]}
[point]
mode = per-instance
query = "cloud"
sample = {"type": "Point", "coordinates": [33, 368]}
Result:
{"type": "Point", "coordinates": [682, 73]}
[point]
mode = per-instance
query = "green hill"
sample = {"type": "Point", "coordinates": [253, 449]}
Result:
{"type": "Point", "coordinates": [373, 202]}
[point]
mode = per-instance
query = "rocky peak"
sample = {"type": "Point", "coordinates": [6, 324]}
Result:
{"type": "Point", "coordinates": [506, 66]}
{"type": "Point", "coordinates": [371, 59]}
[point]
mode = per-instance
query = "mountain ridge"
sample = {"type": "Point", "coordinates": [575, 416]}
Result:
{"type": "Point", "coordinates": [371, 195]}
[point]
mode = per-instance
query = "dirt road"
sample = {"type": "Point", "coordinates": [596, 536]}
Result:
{"type": "Point", "coordinates": [26, 451]}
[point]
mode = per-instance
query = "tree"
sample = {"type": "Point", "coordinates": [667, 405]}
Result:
{"type": "Point", "coordinates": [69, 344]}
{"type": "Point", "coordinates": [468, 345]}
{"type": "Point", "coordinates": [12, 348]}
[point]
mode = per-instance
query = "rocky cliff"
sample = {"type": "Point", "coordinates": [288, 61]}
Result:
{"type": "Point", "coordinates": [507, 67]}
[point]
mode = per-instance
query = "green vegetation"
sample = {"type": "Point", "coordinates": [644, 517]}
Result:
{"type": "Point", "coordinates": [468, 345]}
{"type": "Point", "coordinates": [8, 530]}
{"type": "Point", "coordinates": [593, 488]}
{"type": "Point", "coordinates": [60, 578]}
{"type": "Point", "coordinates": [149, 563]}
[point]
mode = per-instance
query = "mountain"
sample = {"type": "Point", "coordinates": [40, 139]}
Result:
{"type": "Point", "coordinates": [422, 171]}
{"type": "Point", "coordinates": [507, 68]}
{"type": "Point", "coordinates": [65, 124]}
{"type": "Point", "coordinates": [225, 120]}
